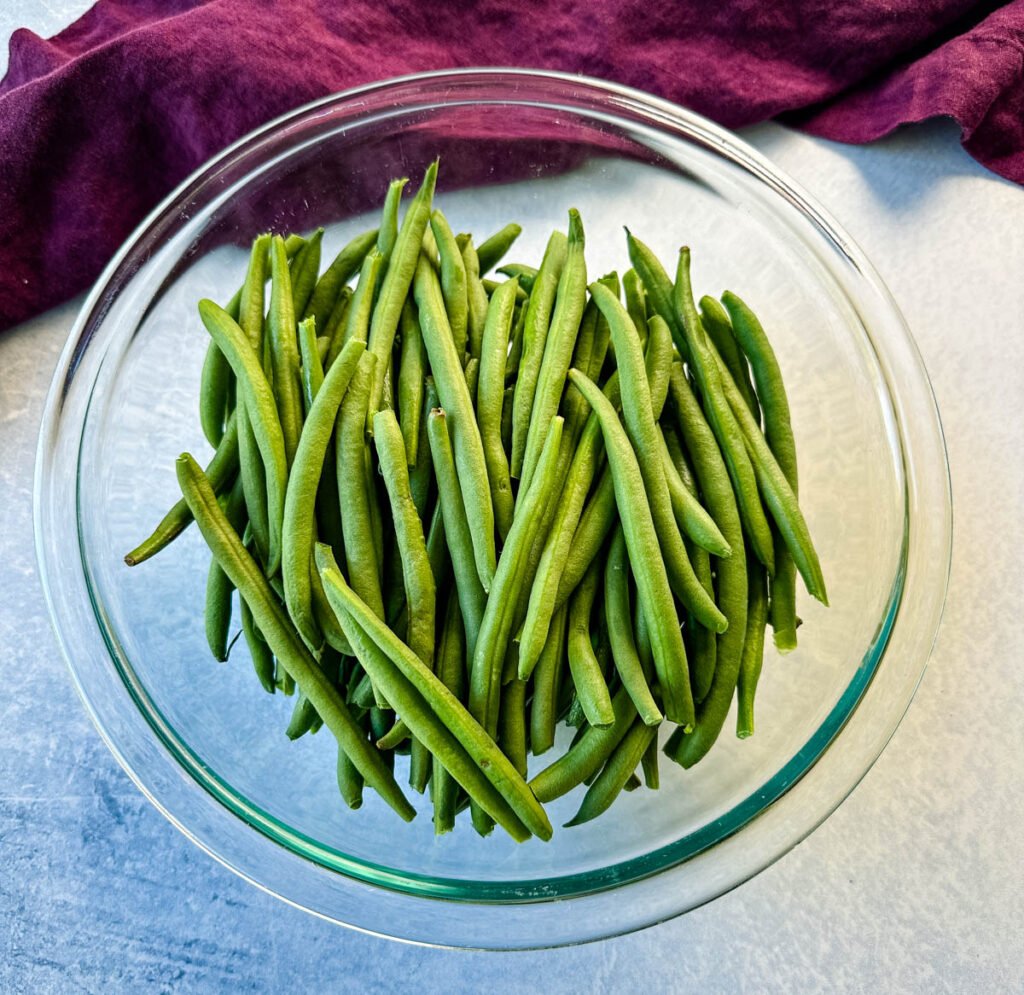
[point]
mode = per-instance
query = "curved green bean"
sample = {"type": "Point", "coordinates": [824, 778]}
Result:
{"type": "Point", "coordinates": [591, 687]}
{"type": "Point", "coordinates": [492, 249]}
{"type": "Point", "coordinates": [753, 650]}
{"type": "Point", "coordinates": [330, 286]}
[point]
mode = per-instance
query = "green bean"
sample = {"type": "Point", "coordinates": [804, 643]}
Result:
{"type": "Point", "coordinates": [397, 280]}
{"type": "Point", "coordinates": [753, 650]}
{"type": "Point", "coordinates": [330, 286]}
{"type": "Point", "coordinates": [715, 485]}
{"type": "Point", "coordinates": [547, 679]}
{"type": "Point", "coordinates": [455, 399]}
{"type": "Point", "coordinates": [325, 620]}
{"type": "Point", "coordinates": [305, 267]}
{"type": "Point", "coordinates": [620, 631]}
{"type": "Point", "coordinates": [490, 286]}
{"type": "Point", "coordinates": [216, 382]}
{"type": "Point", "coordinates": [387, 235]}
{"type": "Point", "coordinates": [336, 326]}
{"type": "Point", "coordinates": [515, 353]}
{"type": "Point", "coordinates": [778, 432]}
{"type": "Point", "coordinates": [574, 408]}
{"type": "Point", "coordinates": [420, 593]}
{"type": "Point", "coordinates": [636, 303]}
{"type": "Point", "coordinates": [642, 636]}
{"type": "Point", "coordinates": [262, 413]}
{"type": "Point", "coordinates": [675, 448]}
{"type": "Point", "coordinates": [490, 395]}
{"type": "Point", "coordinates": [435, 715]}
{"type": "Point", "coordinates": [477, 298]}
{"type": "Point", "coordinates": [499, 614]}
{"type": "Point", "coordinates": [284, 350]}
{"type": "Point", "coordinates": [298, 531]}
{"type": "Point", "coordinates": [616, 773]}
{"type": "Point", "coordinates": [658, 355]}
{"type": "Point", "coordinates": [512, 724]}
{"type": "Point", "coordinates": [220, 471]}
{"type": "Point", "coordinates": [690, 514]}
{"type": "Point", "coordinates": [450, 669]}
{"type": "Point", "coordinates": [421, 476]}
{"type": "Point", "coordinates": [534, 339]}
{"type": "Point", "coordinates": [262, 656]}
{"type": "Point", "coordinates": [411, 374]}
{"type": "Point", "coordinates": [778, 495]}
{"type": "Point", "coordinates": [312, 369]}
{"type": "Point", "coordinates": [303, 717]}
{"type": "Point", "coordinates": [718, 326]}
{"type": "Point", "coordinates": [703, 643]}
{"type": "Point", "coordinates": [587, 754]}
{"type": "Point", "coordinates": [643, 434]}
{"type": "Point", "coordinates": [602, 333]}
{"type": "Point", "coordinates": [526, 275]}
{"type": "Point", "coordinates": [471, 595]}
{"type": "Point", "coordinates": [357, 321]}
{"type": "Point", "coordinates": [507, 401]}
{"type": "Point", "coordinates": [492, 249]}
{"type": "Point", "coordinates": [659, 288]}
{"type": "Point", "coordinates": [285, 643]}
{"type": "Point", "coordinates": [454, 281]}
{"type": "Point", "coordinates": [649, 764]}
{"type": "Point", "coordinates": [648, 567]}
{"type": "Point", "coordinates": [591, 688]}
{"type": "Point", "coordinates": [471, 373]}
{"type": "Point", "coordinates": [218, 585]}
{"type": "Point", "coordinates": [721, 418]}
{"type": "Point", "coordinates": [558, 346]}
{"type": "Point", "coordinates": [350, 781]}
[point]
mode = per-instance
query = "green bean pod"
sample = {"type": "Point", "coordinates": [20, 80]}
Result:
{"type": "Point", "coordinates": [718, 326]}
{"type": "Point", "coordinates": [305, 267]}
{"type": "Point", "coordinates": [547, 681]}
{"type": "Point", "coordinates": [262, 655]}
{"type": "Point", "coordinates": [262, 412]}
{"type": "Point", "coordinates": [691, 516]}
{"type": "Point", "coordinates": [526, 275]}
{"type": "Point", "coordinates": [284, 349]}
{"type": "Point", "coordinates": [454, 281]}
{"type": "Point", "coordinates": [285, 643]}
{"type": "Point", "coordinates": [477, 299]}
{"type": "Point", "coordinates": [454, 394]}
{"type": "Point", "coordinates": [299, 527]}
{"type": "Point", "coordinates": [312, 368]}
{"type": "Point", "coordinates": [329, 287]}
{"type": "Point", "coordinates": [451, 652]}
{"type": "Point", "coordinates": [412, 371]}
{"type": "Point", "coordinates": [534, 338]}
{"type": "Point", "coordinates": [558, 346]}
{"type": "Point", "coordinates": [489, 400]}
{"type": "Point", "coordinates": [636, 303]}
{"type": "Point", "coordinates": [491, 250]}
{"type": "Point", "coordinates": [648, 567]}
{"type": "Point", "coordinates": [753, 650]}
{"type": "Point", "coordinates": [397, 280]}
{"type": "Point", "coordinates": [591, 687]}
{"type": "Point", "coordinates": [387, 234]}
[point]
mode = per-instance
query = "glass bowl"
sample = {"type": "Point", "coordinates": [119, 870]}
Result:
{"type": "Point", "coordinates": [203, 741]}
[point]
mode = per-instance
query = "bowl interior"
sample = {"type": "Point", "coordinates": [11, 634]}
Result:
{"type": "Point", "coordinates": [501, 160]}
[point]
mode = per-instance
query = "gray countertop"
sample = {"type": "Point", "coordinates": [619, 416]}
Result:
{"type": "Point", "coordinates": [914, 884]}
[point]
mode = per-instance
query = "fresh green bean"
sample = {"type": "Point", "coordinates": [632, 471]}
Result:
{"type": "Point", "coordinates": [690, 514]}
{"type": "Point", "coordinates": [643, 434]}
{"type": "Point", "coordinates": [477, 298]}
{"type": "Point", "coordinates": [218, 585]}
{"type": "Point", "coordinates": [721, 418]}
{"type": "Point", "coordinates": [312, 369]}
{"type": "Point", "coordinates": [591, 688]}
{"type": "Point", "coordinates": [305, 267]}
{"type": "Point", "coordinates": [636, 303]}
{"type": "Point", "coordinates": [490, 395]}
{"type": "Point", "coordinates": [330, 286]}
{"type": "Point", "coordinates": [285, 643]}
{"type": "Point", "coordinates": [648, 567]}
{"type": "Point", "coordinates": [778, 432]}
{"type": "Point", "coordinates": [534, 339]}
{"type": "Point", "coordinates": [454, 281]}
{"type": "Point", "coordinates": [558, 346]}
{"type": "Point", "coordinates": [615, 774]}
{"type": "Point", "coordinates": [471, 595]}
{"type": "Point", "coordinates": [658, 354]}
{"type": "Point", "coordinates": [649, 764]}
{"type": "Point", "coordinates": [508, 399]}
{"type": "Point", "coordinates": [397, 280]}
{"type": "Point", "coordinates": [216, 382]}
{"type": "Point", "coordinates": [712, 474]}
{"type": "Point", "coordinates": [262, 655]}
{"type": "Point", "coordinates": [778, 495]}
{"type": "Point", "coordinates": [490, 286]}
{"type": "Point", "coordinates": [492, 249]}
{"type": "Point", "coordinates": [455, 399]}
{"type": "Point", "coordinates": [547, 680]}
{"type": "Point", "coordinates": [587, 754]}
{"type": "Point", "coordinates": [471, 373]}
{"type": "Point", "coordinates": [284, 350]}
{"type": "Point", "coordinates": [336, 326]}
{"type": "Point", "coordinates": [526, 275]}
{"type": "Point", "coordinates": [421, 475]}
{"type": "Point", "coordinates": [262, 413]}
{"type": "Point", "coordinates": [350, 781]}
{"type": "Point", "coordinates": [620, 631]}
{"type": "Point", "coordinates": [718, 326]}
{"type": "Point", "coordinates": [451, 652]}
{"type": "Point", "coordinates": [753, 650]}
{"type": "Point", "coordinates": [703, 651]}
{"type": "Point", "coordinates": [659, 288]}
{"type": "Point", "coordinates": [466, 750]}
{"type": "Point", "coordinates": [303, 717]}
{"type": "Point", "coordinates": [512, 724]}
{"type": "Point", "coordinates": [298, 530]}
{"type": "Point", "coordinates": [602, 333]}
{"type": "Point", "coordinates": [387, 235]}
{"type": "Point", "coordinates": [357, 321]}
{"type": "Point", "coordinates": [411, 373]}
{"type": "Point", "coordinates": [515, 353]}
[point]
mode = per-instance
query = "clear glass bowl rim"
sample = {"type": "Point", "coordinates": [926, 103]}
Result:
{"type": "Point", "coordinates": [234, 846]}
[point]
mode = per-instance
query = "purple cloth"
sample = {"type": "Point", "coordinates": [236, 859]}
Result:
{"type": "Point", "coordinates": [98, 123]}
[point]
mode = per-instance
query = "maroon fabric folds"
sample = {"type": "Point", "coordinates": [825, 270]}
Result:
{"type": "Point", "coordinates": [98, 123]}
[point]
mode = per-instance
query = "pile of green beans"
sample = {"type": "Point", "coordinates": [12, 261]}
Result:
{"type": "Point", "coordinates": [461, 512]}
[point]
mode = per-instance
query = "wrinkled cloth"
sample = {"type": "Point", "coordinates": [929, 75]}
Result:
{"type": "Point", "coordinates": [98, 123]}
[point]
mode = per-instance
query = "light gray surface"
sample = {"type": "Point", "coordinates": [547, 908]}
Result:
{"type": "Point", "coordinates": [914, 884]}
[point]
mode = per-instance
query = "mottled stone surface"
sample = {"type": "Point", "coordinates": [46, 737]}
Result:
{"type": "Point", "coordinates": [913, 885]}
